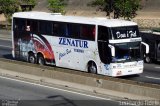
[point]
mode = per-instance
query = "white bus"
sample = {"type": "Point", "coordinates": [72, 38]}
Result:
{"type": "Point", "coordinates": [96, 45]}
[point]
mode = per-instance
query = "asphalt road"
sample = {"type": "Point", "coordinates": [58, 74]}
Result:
{"type": "Point", "coordinates": [28, 94]}
{"type": "Point", "coordinates": [151, 72]}
{"type": "Point", "coordinates": [6, 49]}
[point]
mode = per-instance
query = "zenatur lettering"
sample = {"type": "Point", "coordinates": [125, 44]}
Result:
{"type": "Point", "coordinates": [72, 42]}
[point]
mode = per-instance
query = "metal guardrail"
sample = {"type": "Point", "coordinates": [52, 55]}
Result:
{"type": "Point", "coordinates": [83, 78]}
{"type": "Point", "coordinates": [76, 72]}
{"type": "Point", "coordinates": [5, 26]}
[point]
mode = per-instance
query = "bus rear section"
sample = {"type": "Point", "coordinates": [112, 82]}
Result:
{"type": "Point", "coordinates": [29, 44]}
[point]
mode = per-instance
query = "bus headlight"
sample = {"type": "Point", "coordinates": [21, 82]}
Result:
{"type": "Point", "coordinates": [119, 66]}
{"type": "Point", "coordinates": [140, 63]}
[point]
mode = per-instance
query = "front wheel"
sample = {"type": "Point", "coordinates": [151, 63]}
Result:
{"type": "Point", "coordinates": [92, 68]}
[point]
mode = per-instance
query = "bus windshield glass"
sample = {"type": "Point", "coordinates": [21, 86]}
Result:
{"type": "Point", "coordinates": [125, 32]}
{"type": "Point", "coordinates": [129, 51]}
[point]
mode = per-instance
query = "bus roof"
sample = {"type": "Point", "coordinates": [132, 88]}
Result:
{"type": "Point", "coordinates": [73, 19]}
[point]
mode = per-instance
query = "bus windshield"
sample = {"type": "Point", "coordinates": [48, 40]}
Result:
{"type": "Point", "coordinates": [129, 51]}
{"type": "Point", "coordinates": [124, 51]}
{"type": "Point", "coordinates": [124, 32]}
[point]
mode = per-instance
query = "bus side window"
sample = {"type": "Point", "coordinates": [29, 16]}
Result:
{"type": "Point", "coordinates": [73, 30]}
{"type": "Point", "coordinates": [55, 29]}
{"type": "Point", "coordinates": [45, 27]}
{"type": "Point", "coordinates": [15, 24]}
{"type": "Point", "coordinates": [59, 29]}
{"type": "Point", "coordinates": [34, 26]}
{"type": "Point", "coordinates": [16, 28]}
{"type": "Point", "coordinates": [88, 32]}
{"type": "Point", "coordinates": [19, 24]}
{"type": "Point", "coordinates": [103, 33]}
{"type": "Point", "coordinates": [28, 25]}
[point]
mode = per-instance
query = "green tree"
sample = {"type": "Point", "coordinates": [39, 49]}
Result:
{"type": "Point", "coordinates": [30, 2]}
{"type": "Point", "coordinates": [127, 8]}
{"type": "Point", "coordinates": [103, 5]}
{"type": "Point", "coordinates": [120, 8]}
{"type": "Point", "coordinates": [8, 7]}
{"type": "Point", "coordinates": [56, 6]}
{"type": "Point", "coordinates": [27, 5]}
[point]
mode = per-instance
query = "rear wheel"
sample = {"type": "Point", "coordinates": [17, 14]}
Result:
{"type": "Point", "coordinates": [41, 60]}
{"type": "Point", "coordinates": [31, 58]}
{"type": "Point", "coordinates": [92, 68]}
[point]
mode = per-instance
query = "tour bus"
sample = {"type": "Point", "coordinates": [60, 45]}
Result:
{"type": "Point", "coordinates": [153, 40]}
{"type": "Point", "coordinates": [97, 45]}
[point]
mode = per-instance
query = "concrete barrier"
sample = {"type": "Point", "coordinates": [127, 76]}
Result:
{"type": "Point", "coordinates": [81, 80]}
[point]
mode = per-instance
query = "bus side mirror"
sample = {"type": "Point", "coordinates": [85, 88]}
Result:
{"type": "Point", "coordinates": [112, 50]}
{"type": "Point", "coordinates": [147, 47]}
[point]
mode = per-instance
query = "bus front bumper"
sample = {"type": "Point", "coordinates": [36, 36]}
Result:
{"type": "Point", "coordinates": [124, 69]}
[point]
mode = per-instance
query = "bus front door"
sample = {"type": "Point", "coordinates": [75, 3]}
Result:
{"type": "Point", "coordinates": [103, 41]}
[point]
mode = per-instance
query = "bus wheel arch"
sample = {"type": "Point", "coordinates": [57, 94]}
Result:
{"type": "Point", "coordinates": [31, 57]}
{"type": "Point", "coordinates": [92, 67]}
{"type": "Point", "coordinates": [40, 59]}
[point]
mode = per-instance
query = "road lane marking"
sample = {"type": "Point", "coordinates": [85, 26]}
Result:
{"type": "Point", "coordinates": [157, 67]}
{"type": "Point", "coordinates": [6, 39]}
{"type": "Point", "coordinates": [56, 88]}
{"type": "Point", "coordinates": [152, 77]}
{"type": "Point", "coordinates": [5, 46]}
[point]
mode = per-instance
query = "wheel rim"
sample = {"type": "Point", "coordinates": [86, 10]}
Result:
{"type": "Point", "coordinates": [41, 60]}
{"type": "Point", "coordinates": [31, 59]}
{"type": "Point", "coordinates": [147, 59]}
{"type": "Point", "coordinates": [93, 68]}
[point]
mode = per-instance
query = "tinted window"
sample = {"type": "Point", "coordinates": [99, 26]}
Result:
{"type": "Point", "coordinates": [88, 32]}
{"type": "Point", "coordinates": [59, 29]}
{"type": "Point", "coordinates": [19, 24]}
{"type": "Point", "coordinates": [73, 30]}
{"type": "Point", "coordinates": [45, 27]}
{"type": "Point", "coordinates": [34, 26]}
{"type": "Point", "coordinates": [103, 33]}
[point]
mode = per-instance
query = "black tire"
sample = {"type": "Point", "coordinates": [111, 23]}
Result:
{"type": "Point", "coordinates": [41, 60]}
{"type": "Point", "coordinates": [148, 59]}
{"type": "Point", "coordinates": [92, 68]}
{"type": "Point", "coordinates": [31, 58]}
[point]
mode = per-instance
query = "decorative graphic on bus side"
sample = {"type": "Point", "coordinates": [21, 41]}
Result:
{"type": "Point", "coordinates": [43, 46]}
{"type": "Point", "coordinates": [36, 44]}
{"type": "Point", "coordinates": [64, 54]}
